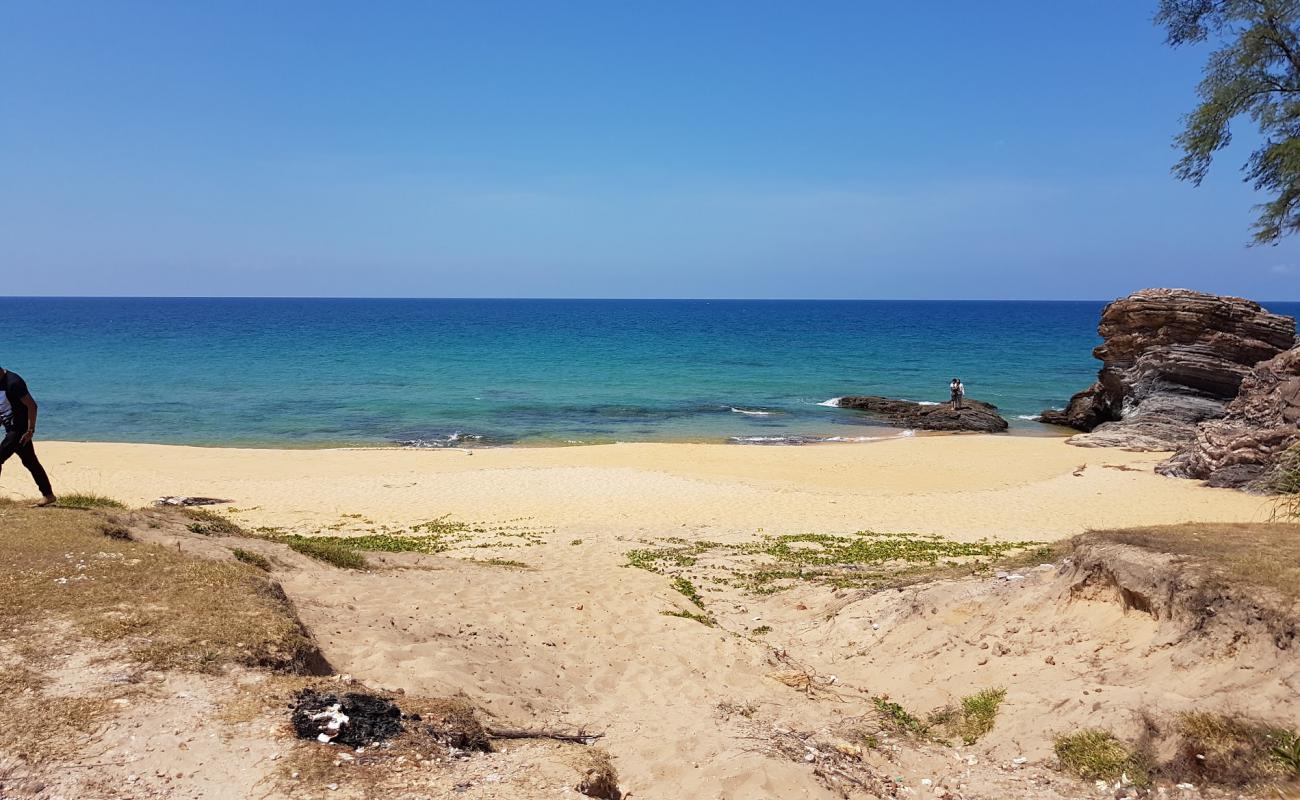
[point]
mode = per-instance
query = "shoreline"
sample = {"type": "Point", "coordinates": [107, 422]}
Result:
{"type": "Point", "coordinates": [1039, 431]}
{"type": "Point", "coordinates": [961, 487]}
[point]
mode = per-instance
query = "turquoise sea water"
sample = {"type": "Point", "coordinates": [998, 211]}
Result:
{"type": "Point", "coordinates": [493, 372]}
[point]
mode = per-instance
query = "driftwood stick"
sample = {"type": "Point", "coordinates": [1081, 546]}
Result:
{"type": "Point", "coordinates": [581, 737]}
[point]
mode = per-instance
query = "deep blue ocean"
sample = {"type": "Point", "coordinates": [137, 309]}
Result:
{"type": "Point", "coordinates": [527, 372]}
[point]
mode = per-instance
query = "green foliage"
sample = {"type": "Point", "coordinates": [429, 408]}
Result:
{"type": "Point", "coordinates": [688, 589]}
{"type": "Point", "coordinates": [1284, 483]}
{"type": "Point", "coordinates": [762, 630]}
{"type": "Point", "coordinates": [866, 559]}
{"type": "Point", "coordinates": [211, 523]}
{"type": "Point", "coordinates": [898, 718]}
{"type": "Point", "coordinates": [1094, 754]}
{"type": "Point", "coordinates": [703, 619]}
{"type": "Point", "coordinates": [253, 559]}
{"type": "Point", "coordinates": [87, 500]}
{"type": "Point", "coordinates": [1255, 73]}
{"type": "Point", "coordinates": [1287, 752]}
{"type": "Point", "coordinates": [327, 549]}
{"type": "Point", "coordinates": [978, 712]}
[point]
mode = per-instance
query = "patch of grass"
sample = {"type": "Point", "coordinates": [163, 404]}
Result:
{"type": "Point", "coordinates": [252, 559]}
{"type": "Point", "coordinates": [1261, 555]}
{"type": "Point", "coordinates": [863, 560]}
{"type": "Point", "coordinates": [85, 500]}
{"type": "Point", "coordinates": [978, 713]}
{"type": "Point", "coordinates": [210, 523]}
{"type": "Point", "coordinates": [327, 549]}
{"type": "Point", "coordinates": [1227, 751]}
{"type": "Point", "coordinates": [575, 542]}
{"type": "Point", "coordinates": [1284, 483]}
{"type": "Point", "coordinates": [164, 609]}
{"type": "Point", "coordinates": [899, 719]}
{"type": "Point", "coordinates": [703, 619]}
{"type": "Point", "coordinates": [1094, 754]}
{"type": "Point", "coordinates": [762, 630]}
{"type": "Point", "coordinates": [436, 536]}
{"type": "Point", "coordinates": [1286, 752]}
{"type": "Point", "coordinates": [687, 589]}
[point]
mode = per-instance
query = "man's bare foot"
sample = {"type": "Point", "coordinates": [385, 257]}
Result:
{"type": "Point", "coordinates": [46, 501]}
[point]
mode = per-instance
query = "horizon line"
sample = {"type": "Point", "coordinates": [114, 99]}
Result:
{"type": "Point", "coordinates": [598, 299]}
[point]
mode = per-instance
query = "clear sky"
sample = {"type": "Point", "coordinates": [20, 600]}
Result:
{"type": "Point", "coordinates": [562, 148]}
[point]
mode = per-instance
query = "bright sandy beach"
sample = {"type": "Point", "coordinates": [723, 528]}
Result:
{"type": "Point", "coordinates": [963, 487]}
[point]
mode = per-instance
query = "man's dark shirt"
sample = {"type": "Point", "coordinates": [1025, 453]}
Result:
{"type": "Point", "coordinates": [15, 391]}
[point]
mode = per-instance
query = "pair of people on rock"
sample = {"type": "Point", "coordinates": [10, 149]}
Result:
{"type": "Point", "coordinates": [958, 390]}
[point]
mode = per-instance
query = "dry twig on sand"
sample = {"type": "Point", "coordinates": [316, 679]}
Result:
{"type": "Point", "coordinates": [580, 737]}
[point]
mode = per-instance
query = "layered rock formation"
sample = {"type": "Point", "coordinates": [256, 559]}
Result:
{"type": "Point", "coordinates": [1258, 426]}
{"type": "Point", "coordinates": [1172, 358]}
{"type": "Point", "coordinates": [972, 416]}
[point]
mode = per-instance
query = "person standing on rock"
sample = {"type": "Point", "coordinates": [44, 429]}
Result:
{"type": "Point", "coordinates": [958, 391]}
{"type": "Point", "coordinates": [18, 416]}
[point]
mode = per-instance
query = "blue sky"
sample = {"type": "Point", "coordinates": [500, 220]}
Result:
{"type": "Point", "coordinates": [610, 149]}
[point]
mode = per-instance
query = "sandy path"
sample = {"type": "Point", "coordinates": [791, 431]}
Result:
{"type": "Point", "coordinates": [577, 638]}
{"type": "Point", "coordinates": [960, 486]}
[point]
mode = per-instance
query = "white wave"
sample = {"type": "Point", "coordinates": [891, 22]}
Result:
{"type": "Point", "coordinates": [854, 438]}
{"type": "Point", "coordinates": [834, 402]}
{"type": "Point", "coordinates": [927, 403]}
{"type": "Point", "coordinates": [763, 439]}
{"type": "Point", "coordinates": [907, 433]}
{"type": "Point", "coordinates": [1030, 417]}
{"type": "Point", "coordinates": [751, 413]}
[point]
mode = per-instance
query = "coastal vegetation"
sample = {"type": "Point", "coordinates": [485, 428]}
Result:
{"type": "Point", "coordinates": [1254, 74]}
{"type": "Point", "coordinates": [1094, 754]}
{"type": "Point", "coordinates": [327, 549]}
{"type": "Point", "coordinates": [864, 560]}
{"type": "Point", "coordinates": [87, 500]}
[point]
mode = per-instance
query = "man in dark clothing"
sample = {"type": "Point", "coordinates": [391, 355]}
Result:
{"type": "Point", "coordinates": [18, 417]}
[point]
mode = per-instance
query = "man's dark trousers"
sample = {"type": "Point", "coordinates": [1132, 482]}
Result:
{"type": "Point", "coordinates": [26, 454]}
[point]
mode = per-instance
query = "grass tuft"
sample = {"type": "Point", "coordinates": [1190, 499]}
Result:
{"type": "Point", "coordinates": [327, 549]}
{"type": "Point", "coordinates": [978, 713]}
{"type": "Point", "coordinates": [1284, 483]}
{"type": "Point", "coordinates": [252, 559]}
{"type": "Point", "coordinates": [87, 500]}
{"type": "Point", "coordinates": [1228, 751]}
{"type": "Point", "coordinates": [210, 523]}
{"type": "Point", "coordinates": [1095, 754]}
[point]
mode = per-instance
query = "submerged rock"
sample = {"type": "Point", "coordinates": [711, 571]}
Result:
{"type": "Point", "coordinates": [972, 416]}
{"type": "Point", "coordinates": [1258, 426]}
{"type": "Point", "coordinates": [1172, 358]}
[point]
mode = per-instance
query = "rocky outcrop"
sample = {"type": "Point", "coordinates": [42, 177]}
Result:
{"type": "Point", "coordinates": [972, 416]}
{"type": "Point", "coordinates": [1172, 358]}
{"type": "Point", "coordinates": [1257, 427]}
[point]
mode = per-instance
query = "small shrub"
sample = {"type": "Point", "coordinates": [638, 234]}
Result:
{"type": "Point", "coordinates": [1284, 482]}
{"type": "Point", "coordinates": [86, 500]}
{"type": "Point", "coordinates": [762, 630]}
{"type": "Point", "coordinates": [1094, 754]}
{"type": "Point", "coordinates": [1227, 751]}
{"type": "Point", "coordinates": [978, 713]}
{"type": "Point", "coordinates": [327, 550]}
{"type": "Point", "coordinates": [252, 559]}
{"type": "Point", "coordinates": [898, 718]}
{"type": "Point", "coordinates": [210, 523]}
